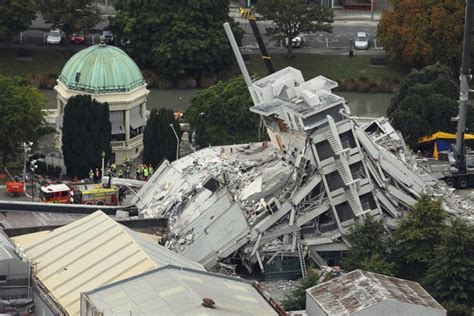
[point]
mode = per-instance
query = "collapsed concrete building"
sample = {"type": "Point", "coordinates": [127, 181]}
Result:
{"type": "Point", "coordinates": [298, 195]}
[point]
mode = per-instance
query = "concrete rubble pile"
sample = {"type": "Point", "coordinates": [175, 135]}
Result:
{"type": "Point", "coordinates": [297, 195]}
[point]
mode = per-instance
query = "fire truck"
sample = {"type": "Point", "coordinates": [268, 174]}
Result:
{"type": "Point", "coordinates": [80, 194]}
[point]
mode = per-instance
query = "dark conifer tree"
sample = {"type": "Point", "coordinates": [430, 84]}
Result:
{"type": "Point", "coordinates": [159, 140]}
{"type": "Point", "coordinates": [86, 134]}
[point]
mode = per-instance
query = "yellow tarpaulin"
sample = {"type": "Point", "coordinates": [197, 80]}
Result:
{"type": "Point", "coordinates": [442, 135]}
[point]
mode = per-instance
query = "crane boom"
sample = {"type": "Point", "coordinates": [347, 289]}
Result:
{"type": "Point", "coordinates": [250, 16]}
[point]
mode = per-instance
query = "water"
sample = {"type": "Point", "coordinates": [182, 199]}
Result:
{"type": "Point", "coordinates": [361, 104]}
{"type": "Point", "coordinates": [367, 104]}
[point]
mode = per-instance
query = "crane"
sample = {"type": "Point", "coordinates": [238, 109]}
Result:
{"type": "Point", "coordinates": [250, 16]}
{"type": "Point", "coordinates": [460, 176]}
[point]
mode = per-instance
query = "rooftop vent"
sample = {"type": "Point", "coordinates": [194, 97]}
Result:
{"type": "Point", "coordinates": [208, 302]}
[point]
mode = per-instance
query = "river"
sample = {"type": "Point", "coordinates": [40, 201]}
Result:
{"type": "Point", "coordinates": [361, 104]}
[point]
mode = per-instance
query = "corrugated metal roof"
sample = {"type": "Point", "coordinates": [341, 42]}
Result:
{"type": "Point", "coordinates": [7, 251]}
{"type": "Point", "coordinates": [175, 291]}
{"type": "Point", "coordinates": [360, 289]}
{"type": "Point", "coordinates": [92, 252]}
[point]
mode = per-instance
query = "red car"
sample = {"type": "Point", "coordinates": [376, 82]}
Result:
{"type": "Point", "coordinates": [78, 38]}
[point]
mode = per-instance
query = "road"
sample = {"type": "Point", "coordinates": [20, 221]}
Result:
{"type": "Point", "coordinates": [343, 32]}
{"type": "Point", "coordinates": [339, 39]}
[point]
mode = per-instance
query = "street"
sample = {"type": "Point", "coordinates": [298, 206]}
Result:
{"type": "Point", "coordinates": [343, 32]}
{"type": "Point", "coordinates": [344, 29]}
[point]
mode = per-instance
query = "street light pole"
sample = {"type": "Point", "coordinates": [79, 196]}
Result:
{"type": "Point", "coordinates": [26, 148]}
{"type": "Point", "coordinates": [177, 140]}
{"type": "Point", "coordinates": [103, 158]}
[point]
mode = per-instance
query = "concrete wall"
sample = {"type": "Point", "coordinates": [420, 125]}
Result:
{"type": "Point", "coordinates": [312, 308]}
{"type": "Point", "coordinates": [385, 308]}
{"type": "Point", "coordinates": [16, 273]}
{"type": "Point", "coordinates": [393, 308]}
{"type": "Point", "coordinates": [41, 308]}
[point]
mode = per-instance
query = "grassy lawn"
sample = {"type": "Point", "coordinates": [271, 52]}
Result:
{"type": "Point", "coordinates": [331, 66]}
{"type": "Point", "coordinates": [44, 61]}
{"type": "Point", "coordinates": [334, 67]}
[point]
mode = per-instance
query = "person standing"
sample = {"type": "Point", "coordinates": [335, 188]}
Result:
{"type": "Point", "coordinates": [97, 175]}
{"type": "Point", "coordinates": [145, 172]}
{"type": "Point", "coordinates": [127, 171]}
{"type": "Point", "coordinates": [91, 175]}
{"type": "Point", "coordinates": [139, 171]}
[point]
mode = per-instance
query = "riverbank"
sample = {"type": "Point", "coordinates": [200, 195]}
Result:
{"type": "Point", "coordinates": [352, 74]}
{"type": "Point", "coordinates": [361, 104]}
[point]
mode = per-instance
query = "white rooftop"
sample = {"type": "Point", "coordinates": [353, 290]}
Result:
{"type": "Point", "coordinates": [89, 253]}
{"type": "Point", "coordinates": [358, 290]}
{"type": "Point", "coordinates": [177, 291]}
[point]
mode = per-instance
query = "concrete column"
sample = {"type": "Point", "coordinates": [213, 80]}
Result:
{"type": "Point", "coordinates": [143, 110]}
{"type": "Point", "coordinates": [127, 126]}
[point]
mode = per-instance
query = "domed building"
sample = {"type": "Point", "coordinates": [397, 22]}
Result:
{"type": "Point", "coordinates": [108, 74]}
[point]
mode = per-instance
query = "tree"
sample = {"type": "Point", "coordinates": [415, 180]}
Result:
{"type": "Point", "coordinates": [293, 17]}
{"type": "Point", "coordinates": [159, 140]}
{"type": "Point", "coordinates": [450, 277]}
{"type": "Point", "coordinates": [20, 110]}
{"type": "Point", "coordinates": [220, 114]}
{"type": "Point", "coordinates": [420, 33]}
{"type": "Point", "coordinates": [70, 16]}
{"type": "Point", "coordinates": [86, 134]}
{"type": "Point", "coordinates": [15, 17]}
{"type": "Point", "coordinates": [179, 38]}
{"type": "Point", "coordinates": [426, 103]}
{"type": "Point", "coordinates": [296, 298]}
{"type": "Point", "coordinates": [417, 236]}
{"type": "Point", "coordinates": [369, 247]}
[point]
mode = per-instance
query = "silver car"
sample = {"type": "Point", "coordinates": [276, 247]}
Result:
{"type": "Point", "coordinates": [361, 41]}
{"type": "Point", "coordinates": [54, 37]}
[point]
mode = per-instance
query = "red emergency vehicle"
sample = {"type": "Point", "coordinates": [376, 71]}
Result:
{"type": "Point", "coordinates": [84, 194]}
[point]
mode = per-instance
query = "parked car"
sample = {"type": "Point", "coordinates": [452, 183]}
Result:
{"type": "Point", "coordinates": [296, 42]}
{"type": "Point", "coordinates": [361, 41]}
{"type": "Point", "coordinates": [77, 38]}
{"type": "Point", "coordinates": [109, 36]}
{"type": "Point", "coordinates": [54, 37]}
{"type": "Point", "coordinates": [124, 41]}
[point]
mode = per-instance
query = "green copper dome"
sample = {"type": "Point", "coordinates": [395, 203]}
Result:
{"type": "Point", "coordinates": [101, 69]}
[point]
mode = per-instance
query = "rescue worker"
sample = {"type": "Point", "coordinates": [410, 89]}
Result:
{"type": "Point", "coordinates": [97, 175]}
{"type": "Point", "coordinates": [145, 172]}
{"type": "Point", "coordinates": [120, 173]}
{"type": "Point", "coordinates": [113, 167]}
{"type": "Point", "coordinates": [91, 176]}
{"type": "Point", "coordinates": [127, 161]}
{"type": "Point", "coordinates": [139, 171]}
{"type": "Point", "coordinates": [127, 171]}
{"type": "Point", "coordinates": [150, 169]}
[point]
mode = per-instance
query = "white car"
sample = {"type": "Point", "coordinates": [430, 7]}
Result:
{"type": "Point", "coordinates": [295, 42]}
{"type": "Point", "coordinates": [54, 37]}
{"type": "Point", "coordinates": [361, 41]}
